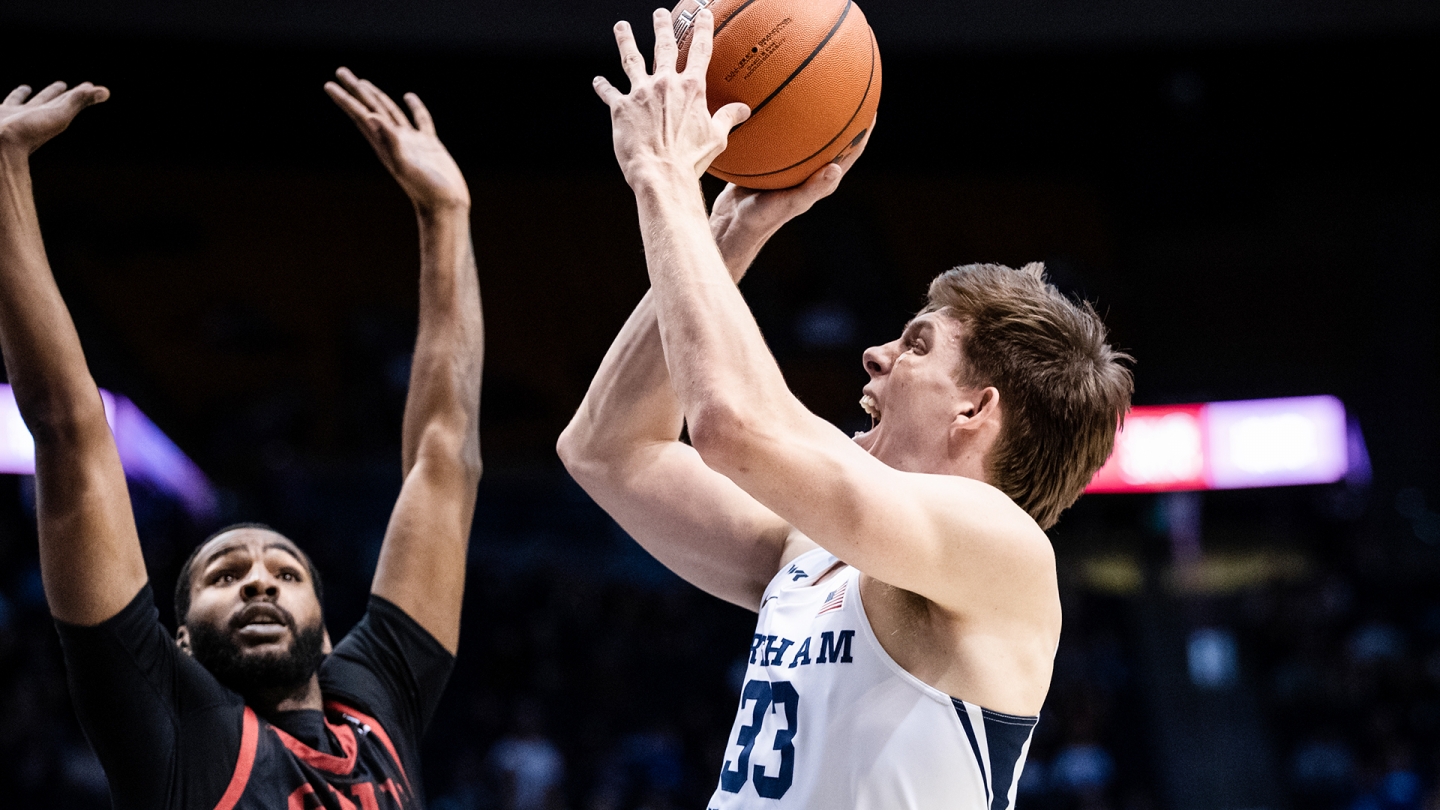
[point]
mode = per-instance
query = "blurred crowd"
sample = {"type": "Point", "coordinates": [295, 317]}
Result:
{"type": "Point", "coordinates": [1348, 665]}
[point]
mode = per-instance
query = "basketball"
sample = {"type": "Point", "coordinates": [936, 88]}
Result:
{"type": "Point", "coordinates": [808, 69]}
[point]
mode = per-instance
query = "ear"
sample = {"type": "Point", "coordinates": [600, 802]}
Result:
{"type": "Point", "coordinates": [182, 640]}
{"type": "Point", "coordinates": [325, 646]}
{"type": "Point", "coordinates": [979, 407]}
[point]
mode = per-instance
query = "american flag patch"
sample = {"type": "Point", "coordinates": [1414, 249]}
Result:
{"type": "Point", "coordinates": [834, 601]}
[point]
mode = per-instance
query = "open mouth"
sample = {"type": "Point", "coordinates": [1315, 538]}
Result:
{"type": "Point", "coordinates": [872, 408]}
{"type": "Point", "coordinates": [261, 618]}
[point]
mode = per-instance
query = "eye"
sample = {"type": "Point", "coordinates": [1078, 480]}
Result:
{"type": "Point", "coordinates": [223, 578]}
{"type": "Point", "coordinates": [289, 576]}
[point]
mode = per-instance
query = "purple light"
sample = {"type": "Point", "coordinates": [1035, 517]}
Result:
{"type": "Point", "coordinates": [146, 452]}
{"type": "Point", "coordinates": [1276, 442]}
{"type": "Point", "coordinates": [1234, 445]}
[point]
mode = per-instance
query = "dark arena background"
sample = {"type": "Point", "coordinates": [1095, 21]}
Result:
{"type": "Point", "coordinates": [1246, 188]}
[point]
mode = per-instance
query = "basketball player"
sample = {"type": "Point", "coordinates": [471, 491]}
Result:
{"type": "Point", "coordinates": [907, 593]}
{"type": "Point", "coordinates": [243, 709]}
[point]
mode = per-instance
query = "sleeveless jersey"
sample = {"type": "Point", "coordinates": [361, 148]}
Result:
{"type": "Point", "coordinates": [828, 720]}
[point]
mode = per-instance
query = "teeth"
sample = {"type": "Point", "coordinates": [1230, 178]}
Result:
{"type": "Point", "coordinates": [871, 407]}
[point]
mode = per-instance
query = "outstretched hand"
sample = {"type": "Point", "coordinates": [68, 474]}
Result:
{"type": "Point", "coordinates": [26, 125]}
{"type": "Point", "coordinates": [663, 123]}
{"type": "Point", "coordinates": [412, 152]}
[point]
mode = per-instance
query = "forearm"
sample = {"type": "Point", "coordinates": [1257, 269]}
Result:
{"type": "Point", "coordinates": [43, 358]}
{"type": "Point", "coordinates": [445, 373]}
{"type": "Point", "coordinates": [90, 558]}
{"type": "Point", "coordinates": [740, 242]}
{"type": "Point", "coordinates": [631, 403]}
{"type": "Point", "coordinates": [716, 357]}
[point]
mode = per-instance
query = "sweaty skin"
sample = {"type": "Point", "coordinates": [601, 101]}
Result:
{"type": "Point", "coordinates": [959, 582]}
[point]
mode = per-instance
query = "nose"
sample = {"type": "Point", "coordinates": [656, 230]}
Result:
{"type": "Point", "coordinates": [258, 583]}
{"type": "Point", "coordinates": [879, 359]}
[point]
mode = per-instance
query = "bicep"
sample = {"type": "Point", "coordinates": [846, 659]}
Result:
{"type": "Point", "coordinates": [422, 560]}
{"type": "Point", "coordinates": [951, 539]}
{"type": "Point", "coordinates": [695, 521]}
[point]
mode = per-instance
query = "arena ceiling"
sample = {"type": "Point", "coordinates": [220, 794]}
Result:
{"type": "Point", "coordinates": [915, 25]}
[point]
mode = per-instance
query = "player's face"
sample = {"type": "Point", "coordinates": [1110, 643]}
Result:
{"type": "Point", "coordinates": [913, 396]}
{"type": "Point", "coordinates": [254, 616]}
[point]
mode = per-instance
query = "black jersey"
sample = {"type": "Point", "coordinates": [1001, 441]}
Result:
{"type": "Point", "coordinates": [170, 736]}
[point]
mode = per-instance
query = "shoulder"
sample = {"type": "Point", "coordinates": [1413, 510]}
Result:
{"type": "Point", "coordinates": [988, 547]}
{"type": "Point", "coordinates": [984, 514]}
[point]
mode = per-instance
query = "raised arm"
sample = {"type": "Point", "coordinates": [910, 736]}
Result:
{"type": "Point", "coordinates": [950, 539]}
{"type": "Point", "coordinates": [623, 445]}
{"type": "Point", "coordinates": [90, 558]}
{"type": "Point", "coordinates": [422, 561]}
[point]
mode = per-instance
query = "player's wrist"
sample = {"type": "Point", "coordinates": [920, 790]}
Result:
{"type": "Point", "coordinates": [14, 156]}
{"type": "Point", "coordinates": [656, 175]}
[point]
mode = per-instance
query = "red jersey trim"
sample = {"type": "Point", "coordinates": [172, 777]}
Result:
{"type": "Point", "coordinates": [249, 740]}
{"type": "Point", "coordinates": [378, 730]}
{"type": "Point", "coordinates": [329, 763]}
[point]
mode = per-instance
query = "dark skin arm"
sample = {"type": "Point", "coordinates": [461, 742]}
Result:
{"type": "Point", "coordinates": [90, 558]}
{"type": "Point", "coordinates": [422, 561]}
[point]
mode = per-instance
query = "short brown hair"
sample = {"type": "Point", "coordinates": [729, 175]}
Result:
{"type": "Point", "coordinates": [1064, 389]}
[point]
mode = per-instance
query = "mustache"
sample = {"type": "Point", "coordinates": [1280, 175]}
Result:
{"type": "Point", "coordinates": [263, 610]}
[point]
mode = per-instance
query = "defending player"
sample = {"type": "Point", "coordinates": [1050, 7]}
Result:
{"type": "Point", "coordinates": [243, 709]}
{"type": "Point", "coordinates": [909, 612]}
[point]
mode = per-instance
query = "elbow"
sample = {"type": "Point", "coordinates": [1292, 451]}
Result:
{"type": "Point", "coordinates": [581, 458]}
{"type": "Point", "coordinates": [458, 450]}
{"type": "Point", "coordinates": [65, 425]}
{"type": "Point", "coordinates": [723, 434]}
{"type": "Point", "coordinates": [569, 447]}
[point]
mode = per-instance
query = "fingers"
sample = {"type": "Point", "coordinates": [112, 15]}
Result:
{"type": "Point", "coordinates": [606, 91]}
{"type": "Point", "coordinates": [388, 107]}
{"type": "Point", "coordinates": [666, 50]}
{"type": "Point", "coordinates": [731, 115]}
{"type": "Point", "coordinates": [351, 84]}
{"type": "Point", "coordinates": [370, 97]}
{"type": "Point", "coordinates": [18, 95]}
{"type": "Point", "coordinates": [820, 184]}
{"type": "Point", "coordinates": [51, 91]}
{"type": "Point", "coordinates": [630, 59]}
{"type": "Point", "coordinates": [83, 95]}
{"type": "Point", "coordinates": [368, 121]}
{"type": "Point", "coordinates": [701, 42]}
{"type": "Point", "coordinates": [423, 121]}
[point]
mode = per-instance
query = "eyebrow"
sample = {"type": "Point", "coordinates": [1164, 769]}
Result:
{"type": "Point", "coordinates": [917, 324]}
{"type": "Point", "coordinates": [233, 547]}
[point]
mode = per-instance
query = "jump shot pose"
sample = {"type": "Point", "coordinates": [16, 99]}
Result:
{"type": "Point", "coordinates": [906, 589]}
{"type": "Point", "coordinates": [245, 708]}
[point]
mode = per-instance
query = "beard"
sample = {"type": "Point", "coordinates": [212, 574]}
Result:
{"type": "Point", "coordinates": [254, 675]}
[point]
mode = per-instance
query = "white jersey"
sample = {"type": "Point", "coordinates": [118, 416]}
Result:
{"type": "Point", "coordinates": [829, 721]}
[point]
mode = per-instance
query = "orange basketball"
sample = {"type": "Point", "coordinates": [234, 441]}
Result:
{"type": "Point", "coordinates": [808, 69]}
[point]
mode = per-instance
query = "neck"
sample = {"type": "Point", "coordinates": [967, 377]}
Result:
{"type": "Point", "coordinates": [965, 463]}
{"type": "Point", "coordinates": [288, 698]}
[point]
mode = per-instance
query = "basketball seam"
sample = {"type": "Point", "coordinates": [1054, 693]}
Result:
{"type": "Point", "coordinates": [818, 48]}
{"type": "Point", "coordinates": [731, 16]}
{"type": "Point", "coordinates": [689, 32]}
{"type": "Point", "coordinates": [866, 95]}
